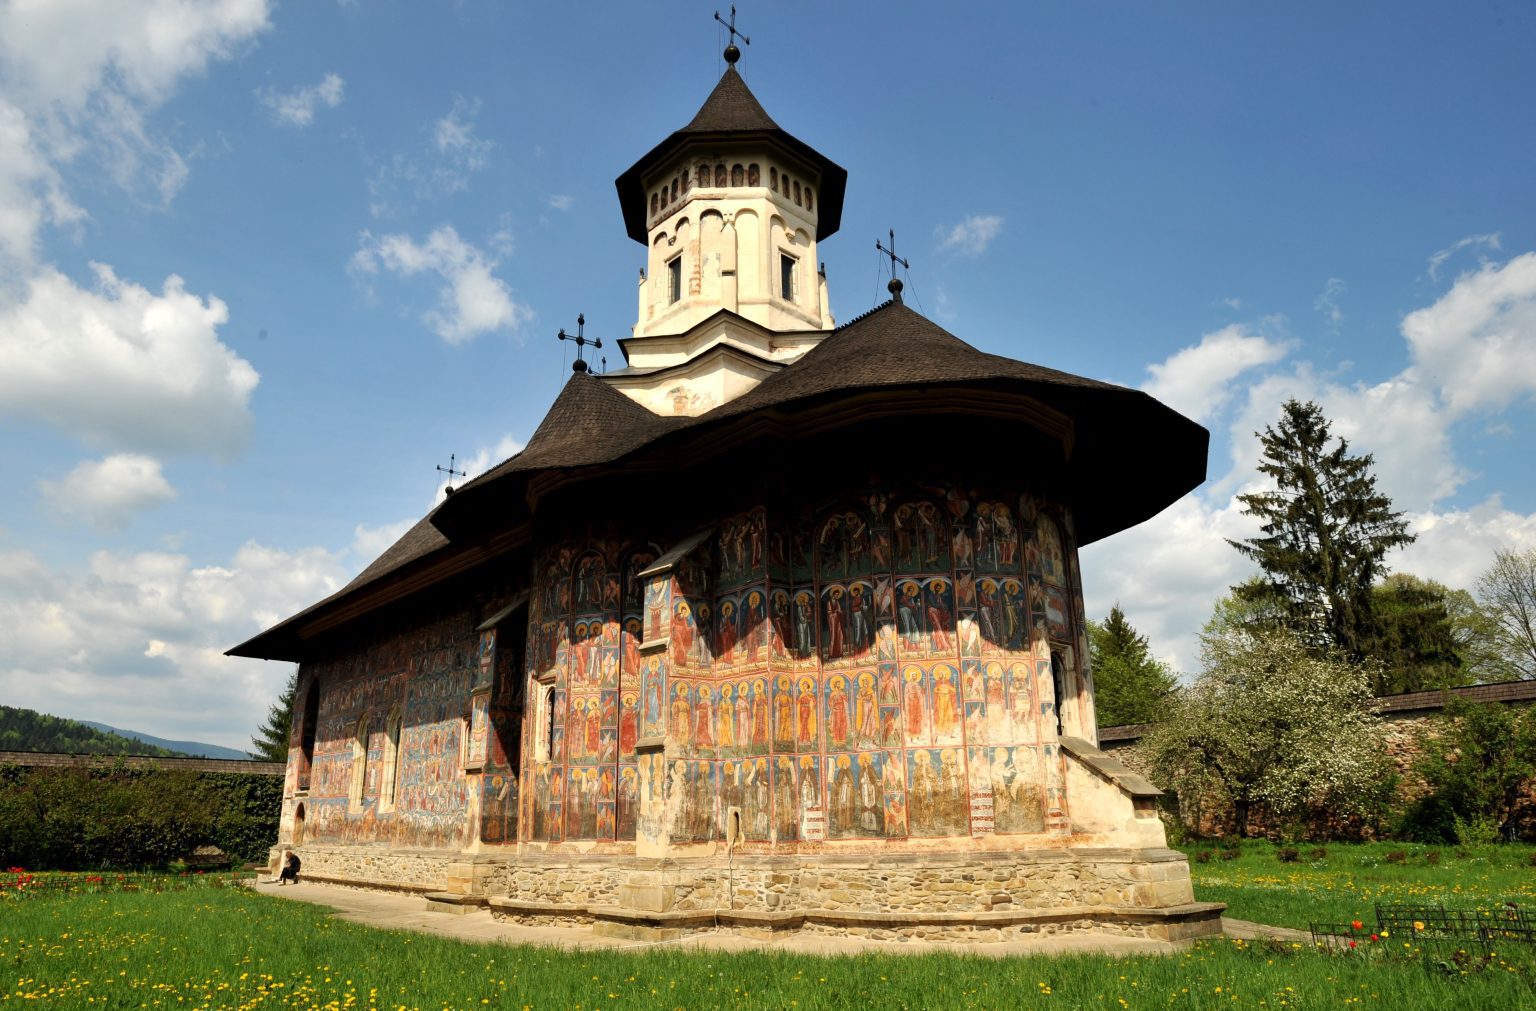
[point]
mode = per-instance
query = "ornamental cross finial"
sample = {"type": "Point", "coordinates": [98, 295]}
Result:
{"type": "Point", "coordinates": [451, 472]}
{"type": "Point", "coordinates": [580, 365]}
{"type": "Point", "coordinates": [895, 286]}
{"type": "Point", "coordinates": [732, 54]}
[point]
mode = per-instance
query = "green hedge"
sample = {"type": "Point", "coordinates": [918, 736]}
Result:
{"type": "Point", "coordinates": [113, 817]}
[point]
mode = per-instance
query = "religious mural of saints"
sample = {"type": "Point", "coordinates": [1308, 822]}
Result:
{"type": "Point", "coordinates": [805, 625]}
{"type": "Point", "coordinates": [866, 712]}
{"type": "Point", "coordinates": [786, 823]}
{"type": "Point", "coordinates": [914, 705]}
{"type": "Point", "coordinates": [805, 715]}
{"type": "Point", "coordinates": [837, 713]}
{"type": "Point", "coordinates": [783, 633]}
{"type": "Point", "coordinates": [754, 625]}
{"type": "Point", "coordinates": [783, 713]}
{"type": "Point", "coordinates": [725, 637]}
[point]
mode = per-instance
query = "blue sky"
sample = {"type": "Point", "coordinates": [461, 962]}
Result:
{"type": "Point", "coordinates": [263, 267]}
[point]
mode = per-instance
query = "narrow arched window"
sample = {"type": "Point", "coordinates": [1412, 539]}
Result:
{"type": "Point", "coordinates": [705, 176]}
{"type": "Point", "coordinates": [655, 203]}
{"type": "Point", "coordinates": [810, 202]}
{"type": "Point", "coordinates": [797, 191]}
{"type": "Point", "coordinates": [390, 770]}
{"type": "Point", "coordinates": [754, 175]}
{"type": "Point", "coordinates": [720, 174]}
{"type": "Point", "coordinates": [360, 762]}
{"type": "Point", "coordinates": [675, 190]}
{"type": "Point", "coordinates": [736, 175]}
{"type": "Point", "coordinates": [773, 179]}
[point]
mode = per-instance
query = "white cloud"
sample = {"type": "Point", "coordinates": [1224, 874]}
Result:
{"type": "Point", "coordinates": [1327, 301]}
{"type": "Point", "coordinates": [1197, 380]}
{"type": "Point", "coordinates": [113, 640]}
{"type": "Point", "coordinates": [970, 237]}
{"type": "Point", "coordinates": [124, 368]}
{"type": "Point", "coordinates": [1490, 241]}
{"type": "Point", "coordinates": [107, 493]}
{"type": "Point", "coordinates": [80, 76]}
{"type": "Point", "coordinates": [561, 202]}
{"type": "Point", "coordinates": [1477, 343]}
{"type": "Point", "coordinates": [473, 300]}
{"type": "Point", "coordinates": [297, 108]}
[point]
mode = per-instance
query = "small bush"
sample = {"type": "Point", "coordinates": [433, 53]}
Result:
{"type": "Point", "coordinates": [1317, 854]}
{"type": "Point", "coordinates": [1287, 854]}
{"type": "Point", "coordinates": [1432, 858]}
{"type": "Point", "coordinates": [1396, 857]}
{"type": "Point", "coordinates": [1204, 857]}
{"type": "Point", "coordinates": [1231, 854]}
{"type": "Point", "coordinates": [1532, 860]}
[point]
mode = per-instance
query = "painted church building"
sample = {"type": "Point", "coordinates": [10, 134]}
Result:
{"type": "Point", "coordinates": [778, 626]}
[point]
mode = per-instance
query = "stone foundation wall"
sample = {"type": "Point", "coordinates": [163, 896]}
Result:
{"type": "Point", "coordinates": [373, 866]}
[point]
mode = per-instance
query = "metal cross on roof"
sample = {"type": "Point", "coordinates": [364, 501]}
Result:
{"type": "Point", "coordinates": [895, 286]}
{"type": "Point", "coordinates": [732, 54]}
{"type": "Point", "coordinates": [579, 365]}
{"type": "Point", "coordinates": [450, 472]}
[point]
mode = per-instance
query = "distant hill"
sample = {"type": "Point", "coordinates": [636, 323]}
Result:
{"type": "Point", "coordinates": [29, 730]}
{"type": "Point", "coordinates": [197, 748]}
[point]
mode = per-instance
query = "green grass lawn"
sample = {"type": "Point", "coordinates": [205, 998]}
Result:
{"type": "Point", "coordinates": [1344, 882]}
{"type": "Point", "coordinates": [199, 943]}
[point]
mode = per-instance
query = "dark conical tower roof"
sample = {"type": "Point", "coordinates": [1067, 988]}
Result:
{"type": "Point", "coordinates": [733, 113]}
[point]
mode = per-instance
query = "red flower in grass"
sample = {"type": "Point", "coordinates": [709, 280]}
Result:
{"type": "Point", "coordinates": [1375, 937]}
{"type": "Point", "coordinates": [1356, 924]}
{"type": "Point", "coordinates": [1351, 944]}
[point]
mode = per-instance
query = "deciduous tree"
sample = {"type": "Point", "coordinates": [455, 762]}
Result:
{"type": "Point", "coordinates": [1507, 592]}
{"type": "Point", "coordinates": [1270, 721]}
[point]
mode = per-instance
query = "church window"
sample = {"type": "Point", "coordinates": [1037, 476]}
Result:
{"type": "Point", "coordinates": [544, 720]}
{"type": "Point", "coordinates": [687, 181]}
{"type": "Point", "coordinates": [391, 767]}
{"type": "Point", "coordinates": [773, 179]}
{"type": "Point", "coordinates": [797, 191]}
{"type": "Point", "coordinates": [704, 174]}
{"type": "Point", "coordinates": [754, 175]}
{"type": "Point", "coordinates": [360, 762]}
{"type": "Point", "coordinates": [655, 203]}
{"type": "Point", "coordinates": [1059, 687]}
{"type": "Point", "coordinates": [675, 190]}
{"type": "Point", "coordinates": [810, 203]}
{"type": "Point", "coordinates": [736, 175]}
{"type": "Point", "coordinates": [675, 279]}
{"type": "Point", "coordinates": [787, 266]}
{"type": "Point", "coordinates": [720, 174]}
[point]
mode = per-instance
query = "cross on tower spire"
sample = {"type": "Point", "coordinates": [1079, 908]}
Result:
{"type": "Point", "coordinates": [732, 54]}
{"type": "Point", "coordinates": [579, 365]}
{"type": "Point", "coordinates": [895, 286]}
{"type": "Point", "coordinates": [451, 474]}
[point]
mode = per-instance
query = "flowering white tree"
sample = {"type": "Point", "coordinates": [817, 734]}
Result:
{"type": "Point", "coordinates": [1267, 721]}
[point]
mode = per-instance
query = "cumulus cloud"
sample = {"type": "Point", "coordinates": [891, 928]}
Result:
{"type": "Point", "coordinates": [297, 107]}
{"type": "Point", "coordinates": [124, 368]}
{"type": "Point", "coordinates": [107, 493]}
{"type": "Point", "coordinates": [1477, 343]}
{"type": "Point", "coordinates": [112, 640]}
{"type": "Point", "coordinates": [561, 202]}
{"type": "Point", "coordinates": [971, 236]}
{"type": "Point", "coordinates": [1197, 380]}
{"type": "Point", "coordinates": [80, 77]}
{"type": "Point", "coordinates": [472, 300]}
{"type": "Point", "coordinates": [483, 460]}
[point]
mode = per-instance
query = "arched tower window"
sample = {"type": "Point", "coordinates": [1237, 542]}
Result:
{"type": "Point", "coordinates": [773, 179]}
{"type": "Point", "coordinates": [359, 761]}
{"type": "Point", "coordinates": [720, 174]}
{"type": "Point", "coordinates": [737, 175]}
{"type": "Point", "coordinates": [797, 191]}
{"type": "Point", "coordinates": [810, 202]}
{"type": "Point", "coordinates": [655, 203]}
{"type": "Point", "coordinates": [754, 175]}
{"type": "Point", "coordinates": [675, 190]}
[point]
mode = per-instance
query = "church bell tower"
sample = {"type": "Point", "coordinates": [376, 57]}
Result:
{"type": "Point", "coordinates": [730, 209]}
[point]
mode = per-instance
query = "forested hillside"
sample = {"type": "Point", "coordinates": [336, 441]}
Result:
{"type": "Point", "coordinates": [29, 730]}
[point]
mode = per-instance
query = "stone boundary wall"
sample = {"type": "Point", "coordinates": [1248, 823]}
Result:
{"type": "Point", "coordinates": [1409, 705]}
{"type": "Point", "coordinates": [66, 760]}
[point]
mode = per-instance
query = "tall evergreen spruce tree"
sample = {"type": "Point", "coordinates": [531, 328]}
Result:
{"type": "Point", "coordinates": [1129, 684]}
{"type": "Point", "coordinates": [1325, 531]}
{"type": "Point", "coordinates": [271, 738]}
